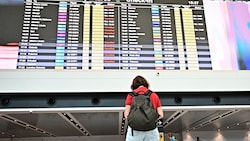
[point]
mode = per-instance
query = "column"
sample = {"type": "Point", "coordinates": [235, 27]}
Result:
{"type": "Point", "coordinates": [97, 37]}
{"type": "Point", "coordinates": [86, 37]}
{"type": "Point", "coordinates": [157, 38]}
{"type": "Point", "coordinates": [191, 49]}
{"type": "Point", "coordinates": [61, 35]}
{"type": "Point", "coordinates": [110, 59]}
{"type": "Point", "coordinates": [73, 56]}
{"type": "Point", "coordinates": [179, 37]}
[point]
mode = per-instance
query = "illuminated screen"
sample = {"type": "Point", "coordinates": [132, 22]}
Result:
{"type": "Point", "coordinates": [228, 25]}
{"type": "Point", "coordinates": [124, 35]}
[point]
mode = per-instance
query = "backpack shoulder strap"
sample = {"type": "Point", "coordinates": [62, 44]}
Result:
{"type": "Point", "coordinates": [133, 94]}
{"type": "Point", "coordinates": [148, 92]}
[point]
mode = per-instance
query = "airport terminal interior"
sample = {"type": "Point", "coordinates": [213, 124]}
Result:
{"type": "Point", "coordinates": [66, 67]}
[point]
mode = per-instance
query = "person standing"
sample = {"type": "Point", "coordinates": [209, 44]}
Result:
{"type": "Point", "coordinates": [171, 137]}
{"type": "Point", "coordinates": [141, 86]}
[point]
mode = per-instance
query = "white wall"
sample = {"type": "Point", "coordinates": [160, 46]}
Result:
{"type": "Point", "coordinates": [120, 81]}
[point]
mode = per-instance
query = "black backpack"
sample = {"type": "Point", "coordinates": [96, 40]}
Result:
{"type": "Point", "coordinates": [142, 116]}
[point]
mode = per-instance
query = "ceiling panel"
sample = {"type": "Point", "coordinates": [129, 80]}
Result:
{"type": "Point", "coordinates": [12, 129]}
{"type": "Point", "coordinates": [48, 123]}
{"type": "Point", "coordinates": [103, 123]}
{"type": "Point", "coordinates": [95, 123]}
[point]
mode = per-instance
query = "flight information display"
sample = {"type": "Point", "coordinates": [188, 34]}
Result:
{"type": "Point", "coordinates": [97, 35]}
{"type": "Point", "coordinates": [115, 35]}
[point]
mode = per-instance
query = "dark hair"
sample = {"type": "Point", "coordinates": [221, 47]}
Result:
{"type": "Point", "coordinates": [139, 81]}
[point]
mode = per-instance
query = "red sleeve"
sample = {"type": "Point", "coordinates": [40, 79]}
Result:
{"type": "Point", "coordinates": [128, 100]}
{"type": "Point", "coordinates": [155, 100]}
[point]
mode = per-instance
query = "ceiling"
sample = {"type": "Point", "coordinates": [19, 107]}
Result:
{"type": "Point", "coordinates": [61, 122]}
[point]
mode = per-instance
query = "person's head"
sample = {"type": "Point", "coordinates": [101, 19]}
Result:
{"type": "Point", "coordinates": [170, 134]}
{"type": "Point", "coordinates": [139, 81]}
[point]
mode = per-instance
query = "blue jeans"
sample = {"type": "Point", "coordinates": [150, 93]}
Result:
{"type": "Point", "coordinates": [152, 135]}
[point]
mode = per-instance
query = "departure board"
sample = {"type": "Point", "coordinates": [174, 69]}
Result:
{"type": "Point", "coordinates": [77, 45]}
{"type": "Point", "coordinates": [125, 35]}
{"type": "Point", "coordinates": [110, 34]}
